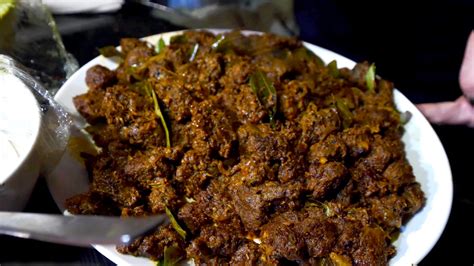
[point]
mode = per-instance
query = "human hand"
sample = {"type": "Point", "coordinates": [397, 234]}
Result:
{"type": "Point", "coordinates": [461, 111]}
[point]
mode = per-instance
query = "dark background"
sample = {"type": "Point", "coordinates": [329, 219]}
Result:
{"type": "Point", "coordinates": [419, 47]}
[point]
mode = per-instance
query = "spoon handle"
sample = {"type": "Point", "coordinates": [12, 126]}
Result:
{"type": "Point", "coordinates": [77, 230]}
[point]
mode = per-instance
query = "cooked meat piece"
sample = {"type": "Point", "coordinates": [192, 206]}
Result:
{"type": "Point", "coordinates": [243, 102]}
{"type": "Point", "coordinates": [357, 140]}
{"type": "Point", "coordinates": [250, 206]}
{"type": "Point", "coordinates": [212, 129]}
{"type": "Point", "coordinates": [201, 76]}
{"type": "Point", "coordinates": [388, 210]}
{"type": "Point", "coordinates": [414, 198]}
{"type": "Point", "coordinates": [153, 245]}
{"type": "Point", "coordinates": [89, 105]}
{"type": "Point", "coordinates": [398, 174]}
{"type": "Point", "coordinates": [237, 71]}
{"type": "Point", "coordinates": [103, 134]}
{"type": "Point", "coordinates": [128, 44]}
{"type": "Point", "coordinates": [293, 98]}
{"type": "Point", "coordinates": [292, 167]}
{"type": "Point", "coordinates": [132, 116]}
{"type": "Point", "coordinates": [137, 56]}
{"type": "Point", "coordinates": [368, 171]}
{"type": "Point", "coordinates": [391, 211]}
{"type": "Point", "coordinates": [194, 172]}
{"type": "Point", "coordinates": [318, 124]}
{"type": "Point", "coordinates": [376, 118]}
{"type": "Point", "coordinates": [325, 181]}
{"type": "Point", "coordinates": [260, 140]}
{"type": "Point", "coordinates": [134, 211]}
{"type": "Point", "coordinates": [194, 215]}
{"type": "Point", "coordinates": [162, 195]}
{"type": "Point", "coordinates": [91, 203]}
{"type": "Point", "coordinates": [253, 203]}
{"type": "Point", "coordinates": [372, 247]}
{"type": "Point", "coordinates": [176, 99]}
{"type": "Point", "coordinates": [319, 234]}
{"type": "Point", "coordinates": [322, 179]}
{"type": "Point", "coordinates": [149, 168]}
{"type": "Point", "coordinates": [247, 254]}
{"type": "Point", "coordinates": [331, 148]}
{"type": "Point", "coordinates": [253, 171]}
{"type": "Point", "coordinates": [99, 77]}
{"type": "Point", "coordinates": [217, 240]}
{"type": "Point", "coordinates": [281, 239]}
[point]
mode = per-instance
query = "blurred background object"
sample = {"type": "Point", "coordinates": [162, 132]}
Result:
{"type": "Point", "coordinates": [275, 16]}
{"type": "Point", "coordinates": [86, 6]}
{"type": "Point", "coordinates": [29, 35]}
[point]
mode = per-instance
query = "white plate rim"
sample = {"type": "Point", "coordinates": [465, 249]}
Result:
{"type": "Point", "coordinates": [430, 164]}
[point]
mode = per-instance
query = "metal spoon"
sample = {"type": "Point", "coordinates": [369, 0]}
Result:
{"type": "Point", "coordinates": [77, 230]}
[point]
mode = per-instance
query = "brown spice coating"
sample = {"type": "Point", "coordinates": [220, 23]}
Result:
{"type": "Point", "coordinates": [99, 77]}
{"type": "Point", "coordinates": [326, 182]}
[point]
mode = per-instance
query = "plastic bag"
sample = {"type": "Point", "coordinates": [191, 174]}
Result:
{"type": "Point", "coordinates": [55, 123]}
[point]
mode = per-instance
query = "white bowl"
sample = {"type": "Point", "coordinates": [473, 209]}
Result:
{"type": "Point", "coordinates": [423, 148]}
{"type": "Point", "coordinates": [20, 126]}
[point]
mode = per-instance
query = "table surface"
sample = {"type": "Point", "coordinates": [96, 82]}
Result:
{"type": "Point", "coordinates": [82, 34]}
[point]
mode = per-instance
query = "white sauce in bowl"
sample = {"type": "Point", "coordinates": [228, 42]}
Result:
{"type": "Point", "coordinates": [19, 123]}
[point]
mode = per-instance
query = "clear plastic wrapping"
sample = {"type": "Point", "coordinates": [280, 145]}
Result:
{"type": "Point", "coordinates": [55, 123]}
{"type": "Point", "coordinates": [28, 33]}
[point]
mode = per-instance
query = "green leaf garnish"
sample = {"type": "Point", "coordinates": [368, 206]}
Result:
{"type": "Point", "coordinates": [134, 71]}
{"type": "Point", "coordinates": [345, 113]}
{"type": "Point", "coordinates": [5, 7]}
{"type": "Point", "coordinates": [156, 185]}
{"type": "Point", "coordinates": [178, 39]}
{"type": "Point", "coordinates": [171, 256]}
{"type": "Point", "coordinates": [189, 200]}
{"type": "Point", "coordinates": [110, 51]}
{"type": "Point", "coordinates": [333, 70]}
{"type": "Point", "coordinates": [370, 78]}
{"type": "Point", "coordinates": [159, 114]}
{"type": "Point", "coordinates": [160, 46]}
{"type": "Point", "coordinates": [175, 224]}
{"type": "Point", "coordinates": [405, 117]}
{"type": "Point", "coordinates": [194, 52]}
{"type": "Point", "coordinates": [265, 92]}
{"type": "Point", "coordinates": [327, 210]}
{"type": "Point", "coordinates": [219, 43]}
{"type": "Point", "coordinates": [305, 53]}
{"type": "Point", "coordinates": [144, 88]}
{"type": "Point", "coordinates": [225, 42]}
{"type": "Point", "coordinates": [394, 236]}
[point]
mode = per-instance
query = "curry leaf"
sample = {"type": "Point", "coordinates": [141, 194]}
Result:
{"type": "Point", "coordinates": [171, 256]}
{"type": "Point", "coordinates": [136, 71]}
{"type": "Point", "coordinates": [159, 114]}
{"type": "Point", "coordinates": [345, 113]}
{"type": "Point", "coordinates": [265, 92]}
{"type": "Point", "coordinates": [226, 42]}
{"type": "Point", "coordinates": [306, 54]}
{"type": "Point", "coordinates": [110, 51]}
{"type": "Point", "coordinates": [194, 52]}
{"type": "Point", "coordinates": [333, 70]}
{"type": "Point", "coordinates": [327, 210]}
{"type": "Point", "coordinates": [175, 224]}
{"type": "Point", "coordinates": [405, 117]}
{"type": "Point", "coordinates": [370, 78]}
{"type": "Point", "coordinates": [160, 46]}
{"type": "Point", "coordinates": [178, 39]}
{"type": "Point", "coordinates": [219, 42]}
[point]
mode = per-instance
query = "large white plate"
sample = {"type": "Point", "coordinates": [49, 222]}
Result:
{"type": "Point", "coordinates": [422, 145]}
